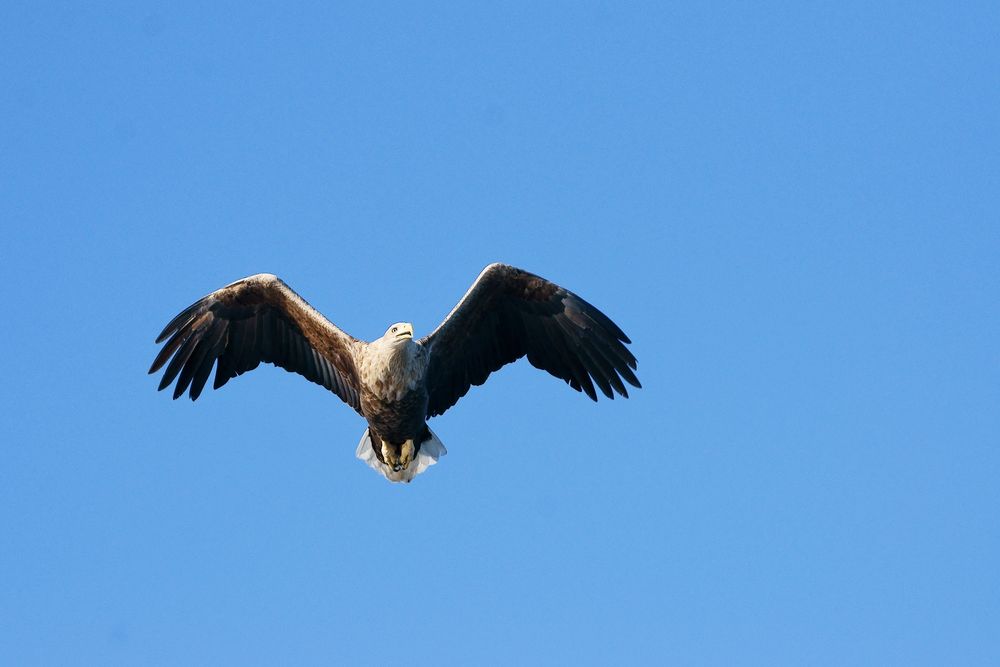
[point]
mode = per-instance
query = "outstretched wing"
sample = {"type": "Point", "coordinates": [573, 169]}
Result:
{"type": "Point", "coordinates": [256, 319]}
{"type": "Point", "coordinates": [509, 313]}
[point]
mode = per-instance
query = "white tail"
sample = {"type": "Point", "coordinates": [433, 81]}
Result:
{"type": "Point", "coordinates": [430, 451]}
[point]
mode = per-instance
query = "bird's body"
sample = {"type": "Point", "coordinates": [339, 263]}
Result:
{"type": "Point", "coordinates": [395, 382]}
{"type": "Point", "coordinates": [394, 398]}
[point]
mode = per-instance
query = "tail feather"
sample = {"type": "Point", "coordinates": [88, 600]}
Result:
{"type": "Point", "coordinates": [431, 450]}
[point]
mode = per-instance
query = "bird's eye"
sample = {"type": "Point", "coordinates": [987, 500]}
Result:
{"type": "Point", "coordinates": [394, 329]}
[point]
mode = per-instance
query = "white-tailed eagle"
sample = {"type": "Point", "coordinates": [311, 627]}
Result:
{"type": "Point", "coordinates": [395, 382]}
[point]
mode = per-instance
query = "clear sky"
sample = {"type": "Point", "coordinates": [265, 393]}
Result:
{"type": "Point", "coordinates": [792, 210]}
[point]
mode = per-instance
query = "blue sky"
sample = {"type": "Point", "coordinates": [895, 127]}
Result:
{"type": "Point", "coordinates": [791, 209]}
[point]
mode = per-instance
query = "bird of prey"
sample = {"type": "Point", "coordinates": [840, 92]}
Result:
{"type": "Point", "coordinates": [395, 382]}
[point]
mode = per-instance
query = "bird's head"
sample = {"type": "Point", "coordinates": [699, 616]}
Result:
{"type": "Point", "coordinates": [399, 331]}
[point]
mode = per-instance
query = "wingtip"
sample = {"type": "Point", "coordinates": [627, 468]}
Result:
{"type": "Point", "coordinates": [158, 362]}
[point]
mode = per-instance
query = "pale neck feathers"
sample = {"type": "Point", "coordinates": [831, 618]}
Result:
{"type": "Point", "coordinates": [391, 368]}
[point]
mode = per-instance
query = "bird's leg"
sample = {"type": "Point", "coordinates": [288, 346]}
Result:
{"type": "Point", "coordinates": [406, 454]}
{"type": "Point", "coordinates": [401, 460]}
{"type": "Point", "coordinates": [387, 455]}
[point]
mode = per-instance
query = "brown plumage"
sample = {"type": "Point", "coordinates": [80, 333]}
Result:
{"type": "Point", "coordinates": [253, 320]}
{"type": "Point", "coordinates": [397, 383]}
{"type": "Point", "coordinates": [509, 313]}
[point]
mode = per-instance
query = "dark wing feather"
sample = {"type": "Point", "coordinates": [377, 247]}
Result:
{"type": "Point", "coordinates": [253, 320]}
{"type": "Point", "coordinates": [509, 313]}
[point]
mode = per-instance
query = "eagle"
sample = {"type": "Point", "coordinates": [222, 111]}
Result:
{"type": "Point", "coordinates": [395, 382]}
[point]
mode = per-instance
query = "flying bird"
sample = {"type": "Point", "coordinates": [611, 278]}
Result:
{"type": "Point", "coordinates": [395, 382]}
